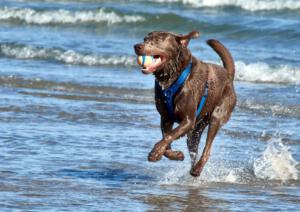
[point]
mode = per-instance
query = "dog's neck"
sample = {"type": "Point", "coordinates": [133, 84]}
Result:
{"type": "Point", "coordinates": [167, 76]}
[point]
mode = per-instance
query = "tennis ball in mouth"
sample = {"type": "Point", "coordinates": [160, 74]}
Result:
{"type": "Point", "coordinates": [144, 60]}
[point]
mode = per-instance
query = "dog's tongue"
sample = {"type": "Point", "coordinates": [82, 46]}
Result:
{"type": "Point", "coordinates": [152, 67]}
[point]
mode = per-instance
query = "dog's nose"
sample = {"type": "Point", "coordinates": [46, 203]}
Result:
{"type": "Point", "coordinates": [138, 47]}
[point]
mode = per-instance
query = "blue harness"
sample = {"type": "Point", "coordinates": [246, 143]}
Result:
{"type": "Point", "coordinates": [172, 90]}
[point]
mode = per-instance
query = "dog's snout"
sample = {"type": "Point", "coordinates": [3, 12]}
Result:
{"type": "Point", "coordinates": [138, 47]}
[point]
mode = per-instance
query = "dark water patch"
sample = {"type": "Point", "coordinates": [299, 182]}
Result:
{"type": "Point", "coordinates": [206, 197]}
{"type": "Point", "coordinates": [125, 118]}
{"type": "Point", "coordinates": [34, 195]}
{"type": "Point", "coordinates": [74, 91]}
{"type": "Point", "coordinates": [5, 174]}
{"type": "Point", "coordinates": [77, 109]}
{"type": "Point", "coordinates": [11, 108]}
{"type": "Point", "coordinates": [189, 200]}
{"type": "Point", "coordinates": [19, 82]}
{"type": "Point", "coordinates": [114, 176]}
{"type": "Point", "coordinates": [77, 97]}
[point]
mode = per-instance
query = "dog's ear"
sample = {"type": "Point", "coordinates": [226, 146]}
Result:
{"type": "Point", "coordinates": [185, 39]}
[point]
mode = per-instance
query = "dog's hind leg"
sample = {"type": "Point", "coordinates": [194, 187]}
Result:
{"type": "Point", "coordinates": [193, 139]}
{"type": "Point", "coordinates": [220, 116]}
{"type": "Point", "coordinates": [214, 126]}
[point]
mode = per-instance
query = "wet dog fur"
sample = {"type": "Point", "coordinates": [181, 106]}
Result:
{"type": "Point", "coordinates": [174, 55]}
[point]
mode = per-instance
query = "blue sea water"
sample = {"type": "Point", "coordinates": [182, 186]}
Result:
{"type": "Point", "coordinates": [77, 117]}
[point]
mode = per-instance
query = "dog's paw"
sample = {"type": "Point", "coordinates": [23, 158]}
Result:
{"type": "Point", "coordinates": [194, 172]}
{"type": "Point", "coordinates": [174, 155]}
{"type": "Point", "coordinates": [157, 152]}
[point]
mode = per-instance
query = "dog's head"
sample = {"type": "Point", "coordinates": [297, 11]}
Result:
{"type": "Point", "coordinates": [169, 50]}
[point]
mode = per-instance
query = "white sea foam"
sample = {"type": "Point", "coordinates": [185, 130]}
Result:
{"type": "Point", "coordinates": [253, 5]}
{"type": "Point", "coordinates": [32, 16]}
{"type": "Point", "coordinates": [71, 57]}
{"type": "Point", "coordinates": [262, 72]}
{"type": "Point", "coordinates": [68, 56]}
{"type": "Point", "coordinates": [276, 163]}
{"type": "Point", "coordinates": [253, 72]}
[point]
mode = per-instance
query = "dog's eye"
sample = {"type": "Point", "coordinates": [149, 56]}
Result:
{"type": "Point", "coordinates": [156, 56]}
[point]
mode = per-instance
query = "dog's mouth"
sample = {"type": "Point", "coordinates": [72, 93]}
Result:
{"type": "Point", "coordinates": [155, 64]}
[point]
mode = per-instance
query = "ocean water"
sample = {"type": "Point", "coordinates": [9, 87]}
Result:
{"type": "Point", "coordinates": [77, 117]}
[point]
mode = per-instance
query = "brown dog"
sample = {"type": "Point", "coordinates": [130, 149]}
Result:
{"type": "Point", "coordinates": [171, 57]}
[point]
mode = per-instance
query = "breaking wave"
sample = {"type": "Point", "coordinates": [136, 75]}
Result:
{"type": "Point", "coordinates": [254, 5]}
{"type": "Point", "coordinates": [262, 72]}
{"type": "Point", "coordinates": [65, 56]}
{"type": "Point", "coordinates": [253, 72]}
{"type": "Point", "coordinates": [32, 16]}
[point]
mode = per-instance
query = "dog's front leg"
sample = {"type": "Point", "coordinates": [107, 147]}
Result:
{"type": "Point", "coordinates": [161, 147]}
{"type": "Point", "coordinates": [166, 128]}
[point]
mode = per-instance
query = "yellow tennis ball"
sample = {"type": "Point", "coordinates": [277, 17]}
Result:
{"type": "Point", "coordinates": [144, 60]}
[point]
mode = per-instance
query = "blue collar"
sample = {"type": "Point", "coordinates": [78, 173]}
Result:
{"type": "Point", "coordinates": [169, 93]}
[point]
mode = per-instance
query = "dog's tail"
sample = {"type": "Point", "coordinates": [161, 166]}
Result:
{"type": "Point", "coordinates": [225, 55]}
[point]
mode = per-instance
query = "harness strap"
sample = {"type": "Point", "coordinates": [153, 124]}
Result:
{"type": "Point", "coordinates": [172, 90]}
{"type": "Point", "coordinates": [169, 93]}
{"type": "Point", "coordinates": [203, 100]}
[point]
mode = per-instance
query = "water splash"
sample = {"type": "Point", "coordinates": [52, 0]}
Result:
{"type": "Point", "coordinates": [214, 172]}
{"type": "Point", "coordinates": [276, 163]}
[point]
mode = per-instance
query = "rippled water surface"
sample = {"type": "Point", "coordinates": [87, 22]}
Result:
{"type": "Point", "coordinates": [77, 118]}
